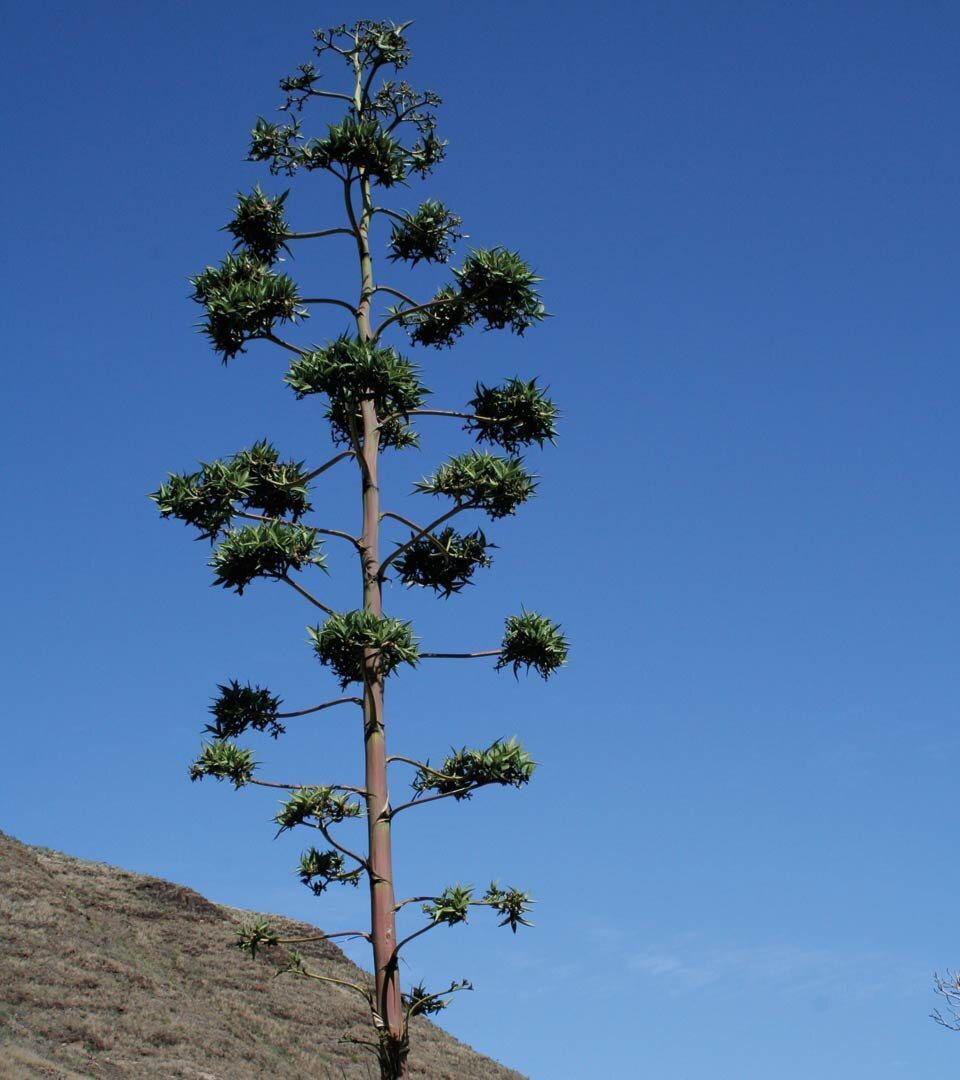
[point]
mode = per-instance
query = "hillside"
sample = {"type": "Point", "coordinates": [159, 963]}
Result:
{"type": "Point", "coordinates": [108, 974]}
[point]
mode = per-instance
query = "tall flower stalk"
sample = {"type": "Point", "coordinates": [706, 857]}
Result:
{"type": "Point", "coordinates": [254, 507]}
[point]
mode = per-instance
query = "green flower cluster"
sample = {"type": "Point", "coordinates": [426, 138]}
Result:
{"type": "Point", "coordinates": [444, 562]}
{"type": "Point", "coordinates": [258, 225]}
{"type": "Point", "coordinates": [533, 641]}
{"type": "Point", "coordinates": [319, 869]}
{"type": "Point", "coordinates": [349, 371]}
{"type": "Point", "coordinates": [496, 485]}
{"type": "Point", "coordinates": [513, 415]}
{"type": "Point", "coordinates": [253, 479]}
{"type": "Point", "coordinates": [244, 300]}
{"type": "Point", "coordinates": [343, 640]}
{"type": "Point", "coordinates": [494, 287]}
{"type": "Point", "coordinates": [267, 550]}
{"type": "Point", "coordinates": [322, 804]}
{"type": "Point", "coordinates": [427, 234]}
{"type": "Point", "coordinates": [240, 707]}
{"type": "Point", "coordinates": [224, 760]}
{"type": "Point", "coordinates": [503, 762]}
{"type": "Point", "coordinates": [453, 904]}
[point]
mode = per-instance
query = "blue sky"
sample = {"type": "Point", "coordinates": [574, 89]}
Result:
{"type": "Point", "coordinates": [740, 836]}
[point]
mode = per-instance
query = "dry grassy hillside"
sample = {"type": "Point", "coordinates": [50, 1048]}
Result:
{"type": "Point", "coordinates": [105, 973]}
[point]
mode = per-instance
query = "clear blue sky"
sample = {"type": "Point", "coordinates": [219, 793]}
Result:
{"type": "Point", "coordinates": [741, 835]}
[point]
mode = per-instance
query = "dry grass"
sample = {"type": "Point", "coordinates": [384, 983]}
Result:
{"type": "Point", "coordinates": [108, 974]}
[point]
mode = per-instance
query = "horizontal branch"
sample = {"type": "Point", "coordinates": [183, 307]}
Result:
{"type": "Point", "coordinates": [307, 596]}
{"type": "Point", "coordinates": [283, 521]}
{"type": "Point", "coordinates": [330, 93]}
{"type": "Point", "coordinates": [317, 708]}
{"type": "Point", "coordinates": [416, 528]}
{"type": "Point", "coordinates": [460, 655]}
{"type": "Point", "coordinates": [406, 941]}
{"type": "Point", "coordinates": [333, 301]}
{"type": "Point", "coordinates": [343, 850]}
{"type": "Point", "coordinates": [390, 213]}
{"type": "Point", "coordinates": [397, 315]}
{"type": "Point", "coordinates": [327, 465]}
{"type": "Point", "coordinates": [269, 335]}
{"type": "Point", "coordinates": [318, 234]}
{"type": "Point", "coordinates": [413, 900]}
{"type": "Point", "coordinates": [394, 292]}
{"type": "Point", "coordinates": [300, 787]}
{"type": "Point", "coordinates": [324, 937]}
{"type": "Point", "coordinates": [431, 798]}
{"type": "Point", "coordinates": [421, 765]}
{"type": "Point", "coordinates": [307, 974]}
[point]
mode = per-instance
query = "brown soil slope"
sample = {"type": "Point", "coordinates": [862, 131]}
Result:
{"type": "Point", "coordinates": [108, 974]}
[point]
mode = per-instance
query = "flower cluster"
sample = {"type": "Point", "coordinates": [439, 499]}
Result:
{"type": "Point", "coordinates": [253, 479]}
{"type": "Point", "coordinates": [244, 300]}
{"type": "Point", "coordinates": [503, 762]}
{"type": "Point", "coordinates": [238, 708]}
{"type": "Point", "coordinates": [444, 562]}
{"type": "Point", "coordinates": [497, 485]}
{"type": "Point", "coordinates": [345, 640]}
{"type": "Point", "coordinates": [533, 641]}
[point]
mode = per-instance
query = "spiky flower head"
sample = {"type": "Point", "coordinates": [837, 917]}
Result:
{"type": "Point", "coordinates": [237, 708]}
{"type": "Point", "coordinates": [444, 562]}
{"type": "Point", "coordinates": [345, 640]}
{"type": "Point", "coordinates": [497, 485]}
{"type": "Point", "coordinates": [533, 641]}
{"type": "Point", "coordinates": [265, 550]}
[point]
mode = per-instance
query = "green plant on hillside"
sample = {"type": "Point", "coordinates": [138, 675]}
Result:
{"type": "Point", "coordinates": [255, 507]}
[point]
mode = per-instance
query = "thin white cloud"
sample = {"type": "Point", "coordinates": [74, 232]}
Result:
{"type": "Point", "coordinates": [793, 969]}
